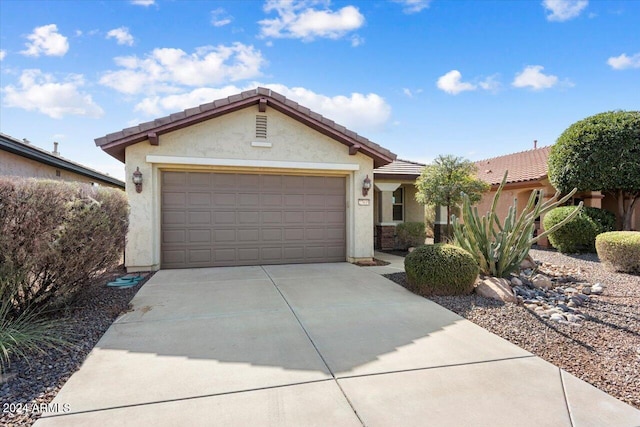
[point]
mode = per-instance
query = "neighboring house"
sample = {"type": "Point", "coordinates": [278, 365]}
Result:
{"type": "Point", "coordinates": [22, 159]}
{"type": "Point", "coordinates": [251, 179]}
{"type": "Point", "coordinates": [394, 200]}
{"type": "Point", "coordinates": [528, 172]}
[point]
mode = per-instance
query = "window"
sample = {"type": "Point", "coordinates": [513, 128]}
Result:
{"type": "Point", "coordinates": [398, 204]}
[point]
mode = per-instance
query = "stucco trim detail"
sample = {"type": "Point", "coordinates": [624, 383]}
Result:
{"type": "Point", "coordinates": [205, 161]}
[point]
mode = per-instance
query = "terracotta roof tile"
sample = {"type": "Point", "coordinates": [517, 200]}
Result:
{"type": "Point", "coordinates": [523, 166]}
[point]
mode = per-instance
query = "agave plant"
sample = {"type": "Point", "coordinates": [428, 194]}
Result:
{"type": "Point", "coordinates": [500, 247]}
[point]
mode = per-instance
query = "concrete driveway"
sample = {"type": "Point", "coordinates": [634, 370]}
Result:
{"type": "Point", "coordinates": [315, 344]}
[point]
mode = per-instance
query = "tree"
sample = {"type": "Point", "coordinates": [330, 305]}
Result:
{"type": "Point", "coordinates": [601, 153]}
{"type": "Point", "coordinates": [443, 182]}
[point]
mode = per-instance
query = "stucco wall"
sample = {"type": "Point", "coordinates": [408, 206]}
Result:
{"type": "Point", "coordinates": [413, 211]}
{"type": "Point", "coordinates": [14, 165]}
{"type": "Point", "coordinates": [229, 137]}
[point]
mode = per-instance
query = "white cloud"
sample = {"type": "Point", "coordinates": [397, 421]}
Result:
{"type": "Point", "coordinates": [299, 19]}
{"type": "Point", "coordinates": [410, 93]}
{"type": "Point", "coordinates": [533, 77]}
{"type": "Point", "coordinates": [3, 54]}
{"type": "Point", "coordinates": [623, 61]}
{"type": "Point", "coordinates": [167, 69]}
{"type": "Point", "coordinates": [46, 40]}
{"type": "Point", "coordinates": [122, 36]}
{"type": "Point", "coordinates": [143, 2]}
{"type": "Point", "coordinates": [563, 10]}
{"type": "Point", "coordinates": [41, 92]}
{"type": "Point", "coordinates": [491, 83]}
{"type": "Point", "coordinates": [452, 83]}
{"type": "Point", "coordinates": [357, 111]}
{"type": "Point", "coordinates": [219, 18]}
{"type": "Point", "coordinates": [356, 40]}
{"type": "Point", "coordinates": [413, 6]}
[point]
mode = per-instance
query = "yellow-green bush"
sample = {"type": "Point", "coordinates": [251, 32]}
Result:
{"type": "Point", "coordinates": [620, 250]}
{"type": "Point", "coordinates": [441, 269]}
{"type": "Point", "coordinates": [578, 234]}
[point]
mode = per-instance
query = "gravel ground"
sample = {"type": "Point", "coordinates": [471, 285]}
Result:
{"type": "Point", "coordinates": [40, 380]}
{"type": "Point", "coordinates": [604, 350]}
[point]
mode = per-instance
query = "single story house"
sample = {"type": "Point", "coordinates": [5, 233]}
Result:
{"type": "Point", "coordinates": [22, 159]}
{"type": "Point", "coordinates": [251, 179]}
{"type": "Point", "coordinates": [394, 200]}
{"type": "Point", "coordinates": [528, 172]}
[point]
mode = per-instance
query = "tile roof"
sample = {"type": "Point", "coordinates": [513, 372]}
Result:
{"type": "Point", "coordinates": [400, 167]}
{"type": "Point", "coordinates": [29, 151]}
{"type": "Point", "coordinates": [115, 143]}
{"type": "Point", "coordinates": [524, 166]}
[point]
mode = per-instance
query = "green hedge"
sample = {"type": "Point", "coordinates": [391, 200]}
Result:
{"type": "Point", "coordinates": [579, 234]}
{"type": "Point", "coordinates": [410, 234]}
{"type": "Point", "coordinates": [620, 250]}
{"type": "Point", "coordinates": [441, 269]}
{"type": "Point", "coordinates": [56, 236]}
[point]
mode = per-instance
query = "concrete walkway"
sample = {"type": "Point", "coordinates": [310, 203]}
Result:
{"type": "Point", "coordinates": [313, 345]}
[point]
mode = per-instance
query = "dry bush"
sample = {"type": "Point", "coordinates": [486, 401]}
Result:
{"type": "Point", "coordinates": [55, 237]}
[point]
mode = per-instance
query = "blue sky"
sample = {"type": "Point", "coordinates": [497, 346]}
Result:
{"type": "Point", "coordinates": [472, 78]}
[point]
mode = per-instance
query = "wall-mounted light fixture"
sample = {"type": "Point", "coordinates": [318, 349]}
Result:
{"type": "Point", "coordinates": [137, 180]}
{"type": "Point", "coordinates": [366, 186]}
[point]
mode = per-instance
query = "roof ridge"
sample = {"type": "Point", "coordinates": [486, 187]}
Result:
{"type": "Point", "coordinates": [409, 161]}
{"type": "Point", "coordinates": [531, 150]}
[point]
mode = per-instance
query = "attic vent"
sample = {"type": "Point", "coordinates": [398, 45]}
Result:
{"type": "Point", "coordinates": [261, 127]}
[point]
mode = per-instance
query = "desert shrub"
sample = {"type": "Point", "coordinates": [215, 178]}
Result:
{"type": "Point", "coordinates": [410, 234]}
{"type": "Point", "coordinates": [578, 234]}
{"type": "Point", "coordinates": [499, 246]}
{"type": "Point", "coordinates": [620, 250]}
{"type": "Point", "coordinates": [28, 332]}
{"type": "Point", "coordinates": [429, 219]}
{"type": "Point", "coordinates": [441, 269]}
{"type": "Point", "coordinates": [55, 237]}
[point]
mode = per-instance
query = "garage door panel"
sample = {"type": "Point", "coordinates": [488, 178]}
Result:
{"type": "Point", "coordinates": [174, 236]}
{"type": "Point", "coordinates": [196, 217]}
{"type": "Point", "coordinates": [197, 199]}
{"type": "Point", "coordinates": [228, 217]}
{"type": "Point", "coordinates": [248, 235]}
{"type": "Point", "coordinates": [249, 217]}
{"type": "Point", "coordinates": [271, 217]}
{"type": "Point", "coordinates": [199, 180]}
{"type": "Point", "coordinates": [293, 234]}
{"type": "Point", "coordinates": [224, 236]}
{"type": "Point", "coordinates": [200, 256]}
{"type": "Point", "coordinates": [200, 236]}
{"type": "Point", "coordinates": [215, 219]}
{"type": "Point", "coordinates": [174, 218]}
{"type": "Point", "coordinates": [171, 199]}
{"type": "Point", "coordinates": [224, 199]}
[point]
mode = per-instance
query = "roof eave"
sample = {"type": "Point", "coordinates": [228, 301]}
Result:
{"type": "Point", "coordinates": [116, 145]}
{"type": "Point", "coordinates": [57, 162]}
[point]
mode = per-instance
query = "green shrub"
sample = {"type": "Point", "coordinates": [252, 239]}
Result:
{"type": "Point", "coordinates": [56, 236]}
{"type": "Point", "coordinates": [620, 250]}
{"type": "Point", "coordinates": [410, 234]}
{"type": "Point", "coordinates": [578, 234]}
{"type": "Point", "coordinates": [441, 269]}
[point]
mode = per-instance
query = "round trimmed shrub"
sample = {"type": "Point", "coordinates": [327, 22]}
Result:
{"type": "Point", "coordinates": [579, 234]}
{"type": "Point", "coordinates": [441, 269]}
{"type": "Point", "coordinates": [620, 251]}
{"type": "Point", "coordinates": [410, 234]}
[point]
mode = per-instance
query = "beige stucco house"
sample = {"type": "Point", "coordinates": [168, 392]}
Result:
{"type": "Point", "coordinates": [395, 200]}
{"type": "Point", "coordinates": [25, 160]}
{"type": "Point", "coordinates": [251, 179]}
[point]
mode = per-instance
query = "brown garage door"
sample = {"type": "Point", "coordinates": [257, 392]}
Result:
{"type": "Point", "coordinates": [218, 219]}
